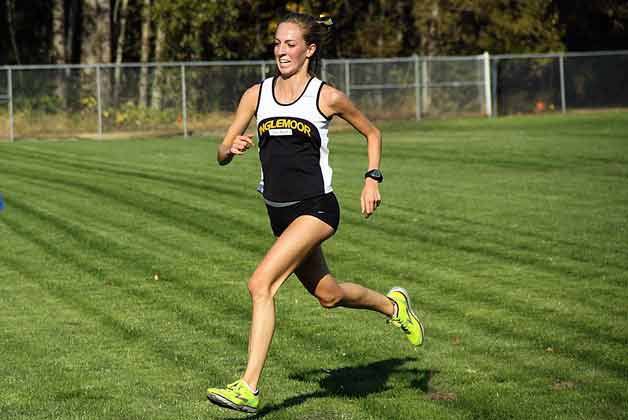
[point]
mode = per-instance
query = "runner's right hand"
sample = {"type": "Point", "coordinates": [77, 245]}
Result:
{"type": "Point", "coordinates": [241, 144]}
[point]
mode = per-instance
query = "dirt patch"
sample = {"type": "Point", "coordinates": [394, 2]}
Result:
{"type": "Point", "coordinates": [442, 396]}
{"type": "Point", "coordinates": [560, 385]}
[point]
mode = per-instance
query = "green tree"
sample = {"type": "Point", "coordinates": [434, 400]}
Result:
{"type": "Point", "coordinates": [120, 17]}
{"type": "Point", "coordinates": [243, 29]}
{"type": "Point", "coordinates": [145, 52]}
{"type": "Point", "coordinates": [594, 25]}
{"type": "Point", "coordinates": [96, 40]}
{"type": "Point", "coordinates": [498, 26]}
{"type": "Point", "coordinates": [25, 31]}
{"type": "Point", "coordinates": [199, 29]}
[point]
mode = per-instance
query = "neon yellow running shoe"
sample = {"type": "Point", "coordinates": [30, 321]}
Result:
{"type": "Point", "coordinates": [236, 396]}
{"type": "Point", "coordinates": [406, 319]}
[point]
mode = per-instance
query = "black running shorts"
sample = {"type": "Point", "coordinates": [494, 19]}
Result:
{"type": "Point", "coordinates": [324, 207]}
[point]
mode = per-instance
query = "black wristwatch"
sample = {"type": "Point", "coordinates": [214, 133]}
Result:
{"type": "Point", "coordinates": [375, 174]}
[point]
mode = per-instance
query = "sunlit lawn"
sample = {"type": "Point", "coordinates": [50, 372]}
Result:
{"type": "Point", "coordinates": [123, 269]}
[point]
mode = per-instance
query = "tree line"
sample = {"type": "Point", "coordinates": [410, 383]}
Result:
{"type": "Point", "coordinates": [114, 31]}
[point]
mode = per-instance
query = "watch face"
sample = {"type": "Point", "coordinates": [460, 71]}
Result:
{"type": "Point", "coordinates": [376, 174]}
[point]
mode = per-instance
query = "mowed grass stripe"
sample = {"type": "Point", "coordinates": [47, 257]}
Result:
{"type": "Point", "coordinates": [117, 352]}
{"type": "Point", "coordinates": [132, 176]}
{"type": "Point", "coordinates": [114, 318]}
{"type": "Point", "coordinates": [146, 270]}
{"type": "Point", "coordinates": [542, 239]}
{"type": "Point", "coordinates": [138, 332]}
{"type": "Point", "coordinates": [83, 237]}
{"type": "Point", "coordinates": [108, 254]}
{"type": "Point", "coordinates": [138, 197]}
{"type": "Point", "coordinates": [509, 232]}
{"type": "Point", "coordinates": [99, 280]}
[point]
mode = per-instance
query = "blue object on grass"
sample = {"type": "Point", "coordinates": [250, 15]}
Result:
{"type": "Point", "coordinates": [1, 203]}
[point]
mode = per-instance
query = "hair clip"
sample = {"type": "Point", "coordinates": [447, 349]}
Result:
{"type": "Point", "coordinates": [325, 20]}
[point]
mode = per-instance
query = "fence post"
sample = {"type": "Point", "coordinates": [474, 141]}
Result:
{"type": "Point", "coordinates": [263, 70]}
{"type": "Point", "coordinates": [494, 81]}
{"type": "Point", "coordinates": [563, 101]}
{"type": "Point", "coordinates": [487, 84]}
{"type": "Point", "coordinates": [347, 79]}
{"type": "Point", "coordinates": [417, 88]}
{"type": "Point", "coordinates": [426, 102]}
{"type": "Point", "coordinates": [184, 106]}
{"type": "Point", "coordinates": [11, 119]}
{"type": "Point", "coordinates": [99, 101]}
{"type": "Point", "coordinates": [324, 69]}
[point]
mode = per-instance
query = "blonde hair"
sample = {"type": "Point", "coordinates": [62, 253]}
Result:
{"type": "Point", "coordinates": [315, 31]}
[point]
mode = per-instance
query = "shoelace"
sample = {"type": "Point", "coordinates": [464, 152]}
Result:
{"type": "Point", "coordinates": [240, 389]}
{"type": "Point", "coordinates": [402, 324]}
{"type": "Point", "coordinates": [234, 386]}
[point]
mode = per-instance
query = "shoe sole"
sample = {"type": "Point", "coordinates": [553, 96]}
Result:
{"type": "Point", "coordinates": [225, 403]}
{"type": "Point", "coordinates": [405, 294]}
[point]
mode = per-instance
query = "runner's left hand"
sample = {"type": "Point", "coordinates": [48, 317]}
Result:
{"type": "Point", "coordinates": [370, 199]}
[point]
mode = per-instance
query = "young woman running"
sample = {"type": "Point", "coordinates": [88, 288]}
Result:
{"type": "Point", "coordinates": [293, 111]}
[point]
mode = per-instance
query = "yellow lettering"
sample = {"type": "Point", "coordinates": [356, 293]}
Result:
{"type": "Point", "coordinates": [285, 123]}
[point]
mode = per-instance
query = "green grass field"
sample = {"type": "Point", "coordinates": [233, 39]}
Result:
{"type": "Point", "coordinates": [123, 269]}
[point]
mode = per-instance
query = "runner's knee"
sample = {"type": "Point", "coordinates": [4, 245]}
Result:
{"type": "Point", "coordinates": [259, 289]}
{"type": "Point", "coordinates": [329, 298]}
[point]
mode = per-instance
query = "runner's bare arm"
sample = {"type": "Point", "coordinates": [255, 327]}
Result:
{"type": "Point", "coordinates": [334, 102]}
{"type": "Point", "coordinates": [235, 141]}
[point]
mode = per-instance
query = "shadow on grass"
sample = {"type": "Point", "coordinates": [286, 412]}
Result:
{"type": "Point", "coordinates": [353, 382]}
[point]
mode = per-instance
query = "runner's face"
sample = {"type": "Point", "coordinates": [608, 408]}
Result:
{"type": "Point", "coordinates": [291, 53]}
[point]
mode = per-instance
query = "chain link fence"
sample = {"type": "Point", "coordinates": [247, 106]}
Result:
{"type": "Point", "coordinates": [104, 101]}
{"type": "Point", "coordinates": [559, 82]}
